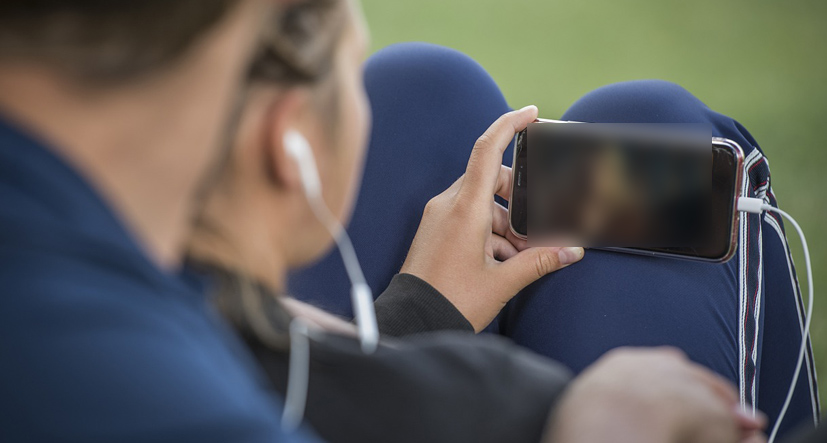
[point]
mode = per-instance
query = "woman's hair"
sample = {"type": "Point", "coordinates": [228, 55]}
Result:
{"type": "Point", "coordinates": [105, 40]}
{"type": "Point", "coordinates": [300, 48]}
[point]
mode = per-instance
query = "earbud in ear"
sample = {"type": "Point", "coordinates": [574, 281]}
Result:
{"type": "Point", "coordinates": [298, 148]}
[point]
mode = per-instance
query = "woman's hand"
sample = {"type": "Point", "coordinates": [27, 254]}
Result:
{"type": "Point", "coordinates": [651, 395]}
{"type": "Point", "coordinates": [464, 247]}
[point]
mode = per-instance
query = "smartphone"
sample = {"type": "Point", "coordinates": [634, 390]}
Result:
{"type": "Point", "coordinates": [697, 220]}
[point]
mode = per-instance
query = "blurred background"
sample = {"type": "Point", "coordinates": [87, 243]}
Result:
{"type": "Point", "coordinates": [763, 62]}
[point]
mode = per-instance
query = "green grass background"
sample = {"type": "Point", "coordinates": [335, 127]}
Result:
{"type": "Point", "coordinates": [763, 62]}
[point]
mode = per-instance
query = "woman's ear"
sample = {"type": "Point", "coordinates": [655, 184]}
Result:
{"type": "Point", "coordinates": [285, 115]}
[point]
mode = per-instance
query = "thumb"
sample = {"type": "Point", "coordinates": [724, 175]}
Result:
{"type": "Point", "coordinates": [530, 264]}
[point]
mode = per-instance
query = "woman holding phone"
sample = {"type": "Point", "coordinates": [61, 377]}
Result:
{"type": "Point", "coordinates": [608, 299]}
{"type": "Point", "coordinates": [463, 267]}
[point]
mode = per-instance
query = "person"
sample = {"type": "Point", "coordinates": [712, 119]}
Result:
{"type": "Point", "coordinates": [109, 141]}
{"type": "Point", "coordinates": [577, 314]}
{"type": "Point", "coordinates": [257, 222]}
{"type": "Point", "coordinates": [108, 132]}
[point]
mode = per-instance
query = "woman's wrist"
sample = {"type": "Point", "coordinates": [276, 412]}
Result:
{"type": "Point", "coordinates": [411, 305]}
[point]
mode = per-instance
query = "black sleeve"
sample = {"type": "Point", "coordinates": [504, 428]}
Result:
{"type": "Point", "coordinates": [411, 306]}
{"type": "Point", "coordinates": [443, 387]}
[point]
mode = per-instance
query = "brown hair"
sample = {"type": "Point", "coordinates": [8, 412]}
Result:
{"type": "Point", "coordinates": [105, 40]}
{"type": "Point", "coordinates": [299, 48]}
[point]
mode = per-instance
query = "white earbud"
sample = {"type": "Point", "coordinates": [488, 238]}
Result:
{"type": "Point", "coordinates": [298, 148]}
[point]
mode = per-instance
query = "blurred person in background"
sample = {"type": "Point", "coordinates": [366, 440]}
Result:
{"type": "Point", "coordinates": [256, 224]}
{"type": "Point", "coordinates": [113, 117]}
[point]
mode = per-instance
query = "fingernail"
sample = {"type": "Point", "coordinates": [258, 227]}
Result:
{"type": "Point", "coordinates": [527, 108]}
{"type": "Point", "coordinates": [570, 255]}
{"type": "Point", "coordinates": [743, 412]}
{"type": "Point", "coordinates": [746, 414]}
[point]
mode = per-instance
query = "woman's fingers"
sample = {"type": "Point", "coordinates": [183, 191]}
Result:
{"type": "Point", "coordinates": [754, 437]}
{"type": "Point", "coordinates": [503, 249]}
{"type": "Point", "coordinates": [721, 388]}
{"type": "Point", "coordinates": [530, 264]}
{"type": "Point", "coordinates": [748, 423]}
{"type": "Point", "coordinates": [501, 224]}
{"type": "Point", "coordinates": [518, 242]}
{"type": "Point", "coordinates": [504, 180]}
{"type": "Point", "coordinates": [482, 173]}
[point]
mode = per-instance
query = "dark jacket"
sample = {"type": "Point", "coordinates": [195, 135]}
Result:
{"type": "Point", "coordinates": [448, 386]}
{"type": "Point", "coordinates": [96, 342]}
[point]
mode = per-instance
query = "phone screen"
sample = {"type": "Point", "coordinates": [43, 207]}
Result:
{"type": "Point", "coordinates": [645, 189]}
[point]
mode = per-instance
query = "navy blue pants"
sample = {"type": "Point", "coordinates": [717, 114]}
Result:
{"type": "Point", "coordinates": [742, 319]}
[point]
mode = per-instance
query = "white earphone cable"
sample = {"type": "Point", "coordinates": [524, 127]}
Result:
{"type": "Point", "coordinates": [360, 293]}
{"type": "Point", "coordinates": [298, 377]}
{"type": "Point", "coordinates": [757, 206]}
